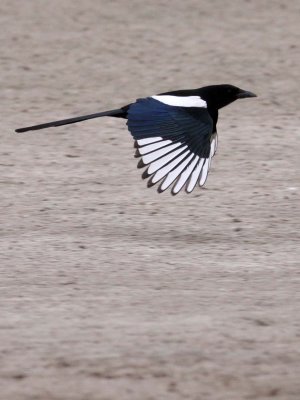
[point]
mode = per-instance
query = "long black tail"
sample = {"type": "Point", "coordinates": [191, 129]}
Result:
{"type": "Point", "coordinates": [119, 113]}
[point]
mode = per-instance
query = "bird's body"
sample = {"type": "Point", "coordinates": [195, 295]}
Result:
{"type": "Point", "coordinates": [175, 133]}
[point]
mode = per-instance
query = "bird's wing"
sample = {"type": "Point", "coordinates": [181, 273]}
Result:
{"type": "Point", "coordinates": [175, 143]}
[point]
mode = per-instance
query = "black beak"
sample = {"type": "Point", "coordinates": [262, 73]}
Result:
{"type": "Point", "coordinates": [243, 94]}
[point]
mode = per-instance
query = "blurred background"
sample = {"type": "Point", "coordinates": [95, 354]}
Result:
{"type": "Point", "coordinates": [109, 290]}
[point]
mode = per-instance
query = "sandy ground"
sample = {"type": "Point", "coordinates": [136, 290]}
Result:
{"type": "Point", "coordinates": [108, 289]}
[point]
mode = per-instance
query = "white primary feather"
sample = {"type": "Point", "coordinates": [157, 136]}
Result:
{"type": "Point", "coordinates": [212, 148]}
{"type": "Point", "coordinates": [156, 165]}
{"type": "Point", "coordinates": [195, 176]}
{"type": "Point", "coordinates": [148, 158]}
{"type": "Point", "coordinates": [165, 170]}
{"type": "Point", "coordinates": [142, 142]}
{"type": "Point", "coordinates": [185, 176]}
{"type": "Point", "coordinates": [175, 173]}
{"type": "Point", "coordinates": [204, 172]}
{"type": "Point", "coordinates": [154, 146]}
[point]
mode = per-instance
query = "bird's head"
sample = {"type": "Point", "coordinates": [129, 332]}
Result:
{"type": "Point", "coordinates": [218, 96]}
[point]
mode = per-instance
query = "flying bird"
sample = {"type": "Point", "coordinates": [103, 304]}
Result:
{"type": "Point", "coordinates": [175, 133]}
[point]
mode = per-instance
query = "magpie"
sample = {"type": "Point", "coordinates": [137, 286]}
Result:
{"type": "Point", "coordinates": [175, 133]}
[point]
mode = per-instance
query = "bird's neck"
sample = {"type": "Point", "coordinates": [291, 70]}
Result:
{"type": "Point", "coordinates": [213, 112]}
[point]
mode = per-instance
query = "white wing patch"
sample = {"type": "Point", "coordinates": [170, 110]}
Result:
{"type": "Point", "coordinates": [156, 165]}
{"type": "Point", "coordinates": [169, 167]}
{"type": "Point", "coordinates": [171, 162]}
{"type": "Point", "coordinates": [195, 176]}
{"type": "Point", "coordinates": [154, 146]}
{"type": "Point", "coordinates": [185, 176]}
{"type": "Point", "coordinates": [181, 101]}
{"type": "Point", "coordinates": [175, 173]}
{"type": "Point", "coordinates": [148, 158]}
{"type": "Point", "coordinates": [142, 142]}
{"type": "Point", "coordinates": [213, 145]}
{"type": "Point", "coordinates": [204, 172]}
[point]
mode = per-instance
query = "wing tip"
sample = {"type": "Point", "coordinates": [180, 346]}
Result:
{"type": "Point", "coordinates": [145, 174]}
{"type": "Point", "coordinates": [137, 154]}
{"type": "Point", "coordinates": [150, 183]}
{"type": "Point", "coordinates": [141, 164]}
